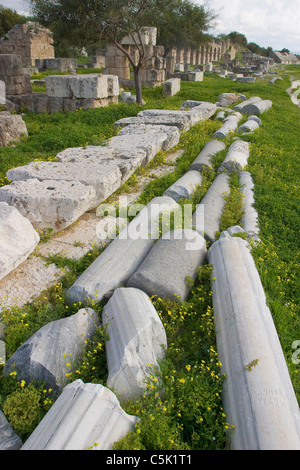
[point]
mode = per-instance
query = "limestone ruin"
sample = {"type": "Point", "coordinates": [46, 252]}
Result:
{"type": "Point", "coordinates": [30, 41]}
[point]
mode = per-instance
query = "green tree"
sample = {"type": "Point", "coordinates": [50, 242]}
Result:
{"type": "Point", "coordinates": [184, 24]}
{"type": "Point", "coordinates": [87, 21]}
{"type": "Point", "coordinates": [238, 38]}
{"type": "Point", "coordinates": [8, 18]}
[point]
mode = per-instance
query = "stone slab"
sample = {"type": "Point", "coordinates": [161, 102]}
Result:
{"type": "Point", "coordinates": [18, 239]}
{"type": "Point", "coordinates": [27, 282]}
{"type": "Point", "coordinates": [259, 399]}
{"type": "Point", "coordinates": [137, 341]}
{"type": "Point", "coordinates": [49, 203]}
{"type": "Point", "coordinates": [105, 179]}
{"type": "Point", "coordinates": [85, 416]}
{"type": "Point", "coordinates": [175, 256]}
{"type": "Point", "coordinates": [171, 133]}
{"type": "Point", "coordinates": [226, 99]}
{"type": "Point", "coordinates": [127, 159]}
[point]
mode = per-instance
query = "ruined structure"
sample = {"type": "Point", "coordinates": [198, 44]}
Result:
{"type": "Point", "coordinates": [285, 57]}
{"type": "Point", "coordinates": [30, 41]}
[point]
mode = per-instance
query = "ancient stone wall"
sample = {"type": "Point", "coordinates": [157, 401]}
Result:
{"type": "Point", "coordinates": [30, 40]}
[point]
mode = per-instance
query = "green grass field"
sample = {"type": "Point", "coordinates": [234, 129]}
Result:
{"type": "Point", "coordinates": [188, 414]}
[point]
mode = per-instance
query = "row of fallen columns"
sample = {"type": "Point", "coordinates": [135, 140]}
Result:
{"type": "Point", "coordinates": [258, 398]}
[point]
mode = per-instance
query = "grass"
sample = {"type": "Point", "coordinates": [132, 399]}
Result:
{"type": "Point", "coordinates": [182, 408]}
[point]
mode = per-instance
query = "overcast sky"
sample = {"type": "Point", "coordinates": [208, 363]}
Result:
{"type": "Point", "coordinates": [274, 23]}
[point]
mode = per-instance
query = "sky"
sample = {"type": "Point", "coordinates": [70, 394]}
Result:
{"type": "Point", "coordinates": [274, 23]}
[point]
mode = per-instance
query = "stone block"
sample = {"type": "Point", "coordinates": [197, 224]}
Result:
{"type": "Point", "coordinates": [259, 399]}
{"type": "Point", "coordinates": [95, 86]}
{"type": "Point", "coordinates": [171, 87]}
{"type": "Point", "coordinates": [10, 65]}
{"type": "Point", "coordinates": [174, 257]}
{"type": "Point", "coordinates": [9, 440]}
{"type": "Point", "coordinates": [18, 239]}
{"type": "Point", "coordinates": [204, 159]}
{"type": "Point", "coordinates": [45, 355]}
{"type": "Point", "coordinates": [124, 255]}
{"type": "Point", "coordinates": [49, 203]}
{"type": "Point", "coordinates": [169, 135]}
{"type": "Point", "coordinates": [17, 84]}
{"type": "Point", "coordinates": [185, 186]}
{"type": "Point", "coordinates": [226, 99]}
{"type": "Point", "coordinates": [105, 179]}
{"type": "Point", "coordinates": [12, 128]}
{"type": "Point", "coordinates": [85, 416]}
{"type": "Point", "coordinates": [137, 341]}
{"type": "Point", "coordinates": [236, 158]}
{"type": "Point", "coordinates": [206, 218]}
{"type": "Point", "coordinates": [196, 76]}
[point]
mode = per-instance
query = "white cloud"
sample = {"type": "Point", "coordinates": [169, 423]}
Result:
{"type": "Point", "coordinates": [272, 23]}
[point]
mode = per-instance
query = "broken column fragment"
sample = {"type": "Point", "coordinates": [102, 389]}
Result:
{"type": "Point", "coordinates": [18, 238]}
{"type": "Point", "coordinates": [123, 256]}
{"type": "Point", "coordinates": [137, 341]}
{"type": "Point", "coordinates": [259, 399]}
{"type": "Point", "coordinates": [85, 416]}
{"type": "Point", "coordinates": [236, 158]}
{"type": "Point", "coordinates": [45, 355]}
{"type": "Point", "coordinates": [185, 186]}
{"type": "Point", "coordinates": [174, 257]}
{"type": "Point", "coordinates": [204, 159]}
{"type": "Point", "coordinates": [206, 218]}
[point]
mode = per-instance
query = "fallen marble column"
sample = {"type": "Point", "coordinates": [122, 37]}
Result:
{"type": "Point", "coordinates": [205, 156]}
{"type": "Point", "coordinates": [137, 341]}
{"type": "Point", "coordinates": [239, 107]}
{"type": "Point", "coordinates": [104, 178]}
{"type": "Point", "coordinates": [85, 416]}
{"type": "Point", "coordinates": [175, 256]}
{"type": "Point", "coordinates": [230, 124]}
{"type": "Point", "coordinates": [45, 355]}
{"type": "Point", "coordinates": [49, 203]}
{"type": "Point", "coordinates": [124, 255]}
{"type": "Point", "coordinates": [206, 218]}
{"type": "Point", "coordinates": [259, 399]}
{"type": "Point", "coordinates": [236, 158]}
{"type": "Point", "coordinates": [258, 107]}
{"type": "Point", "coordinates": [18, 239]}
{"type": "Point", "coordinates": [248, 126]}
{"type": "Point", "coordinates": [185, 186]}
{"type": "Point", "coordinates": [249, 220]}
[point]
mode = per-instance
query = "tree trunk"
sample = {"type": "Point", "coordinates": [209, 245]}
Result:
{"type": "Point", "coordinates": [138, 85]}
